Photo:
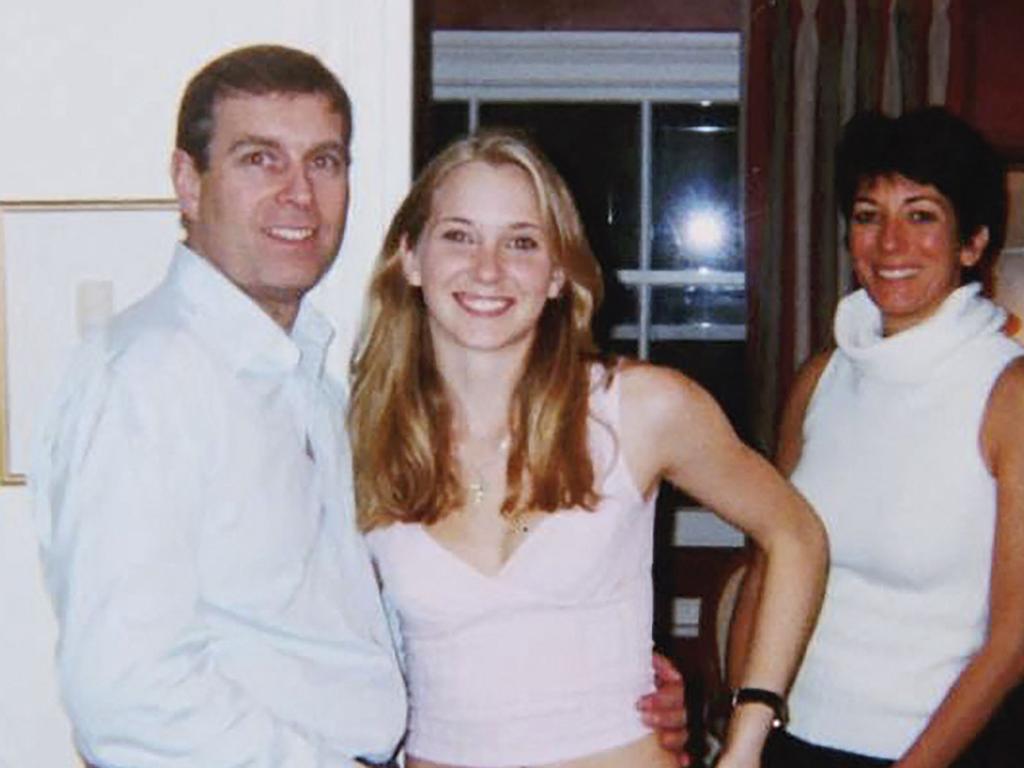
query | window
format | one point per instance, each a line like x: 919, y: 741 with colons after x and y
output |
x: 644, y: 128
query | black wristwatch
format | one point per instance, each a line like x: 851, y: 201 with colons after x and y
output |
x: 770, y: 699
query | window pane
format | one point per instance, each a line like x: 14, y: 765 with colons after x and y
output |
x: 617, y: 327
x: 718, y: 366
x: 700, y: 304
x: 695, y: 189
x: 596, y: 147
x: 444, y: 121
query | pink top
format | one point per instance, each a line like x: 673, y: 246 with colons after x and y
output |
x: 545, y: 660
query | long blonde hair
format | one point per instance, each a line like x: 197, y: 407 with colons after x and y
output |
x: 400, y: 418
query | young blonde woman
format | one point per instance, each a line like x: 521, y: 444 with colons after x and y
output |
x: 506, y: 476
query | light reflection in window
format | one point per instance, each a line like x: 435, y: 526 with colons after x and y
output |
x: 703, y: 230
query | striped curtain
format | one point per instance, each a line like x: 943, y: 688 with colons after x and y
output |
x: 808, y: 66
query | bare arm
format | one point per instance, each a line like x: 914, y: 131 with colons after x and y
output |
x: 787, y: 455
x: 673, y: 429
x: 999, y: 664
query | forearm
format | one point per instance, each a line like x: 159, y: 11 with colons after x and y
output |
x: 741, y: 628
x: 965, y: 710
x: 790, y: 596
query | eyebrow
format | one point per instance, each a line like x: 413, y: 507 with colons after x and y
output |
x: 254, y: 140
x: 863, y: 198
x: 469, y: 222
x: 250, y: 140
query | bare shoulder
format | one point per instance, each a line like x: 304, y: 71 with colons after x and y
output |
x: 1004, y: 414
x: 659, y: 396
x: 808, y: 376
x: 791, y: 425
x: 667, y: 420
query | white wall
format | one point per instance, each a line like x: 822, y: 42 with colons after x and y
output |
x: 89, y: 93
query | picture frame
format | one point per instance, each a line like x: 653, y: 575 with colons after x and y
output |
x: 65, y: 267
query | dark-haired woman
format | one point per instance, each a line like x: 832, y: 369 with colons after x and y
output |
x: 908, y: 439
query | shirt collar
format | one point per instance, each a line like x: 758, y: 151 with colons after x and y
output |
x: 242, y: 331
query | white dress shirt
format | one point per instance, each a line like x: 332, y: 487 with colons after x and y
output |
x: 193, y: 494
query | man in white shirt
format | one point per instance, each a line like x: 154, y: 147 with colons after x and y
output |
x: 193, y: 489
x: 216, y: 607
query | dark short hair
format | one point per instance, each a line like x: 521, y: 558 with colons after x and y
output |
x: 255, y: 70
x: 929, y: 146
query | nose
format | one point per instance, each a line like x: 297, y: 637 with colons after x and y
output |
x: 891, y: 234
x: 296, y: 189
x: 487, y: 262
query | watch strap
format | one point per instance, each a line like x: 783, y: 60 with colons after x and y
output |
x: 770, y: 699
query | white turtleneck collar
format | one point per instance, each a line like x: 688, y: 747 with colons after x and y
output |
x: 913, y: 354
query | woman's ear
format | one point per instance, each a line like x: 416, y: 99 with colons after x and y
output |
x: 557, y: 282
x: 410, y: 262
x: 972, y: 250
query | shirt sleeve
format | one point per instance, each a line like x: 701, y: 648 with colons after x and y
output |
x: 119, y: 498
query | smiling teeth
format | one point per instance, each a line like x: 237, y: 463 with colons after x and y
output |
x: 291, y: 233
x: 896, y: 274
x: 482, y: 304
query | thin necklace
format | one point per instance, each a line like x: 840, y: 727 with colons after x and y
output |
x: 477, y: 487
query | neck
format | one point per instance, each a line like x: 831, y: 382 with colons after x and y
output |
x: 282, y: 314
x: 282, y: 308
x: 480, y: 386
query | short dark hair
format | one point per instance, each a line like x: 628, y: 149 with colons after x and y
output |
x: 254, y: 70
x: 929, y: 146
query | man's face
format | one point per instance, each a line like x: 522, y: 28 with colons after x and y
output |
x: 269, y: 210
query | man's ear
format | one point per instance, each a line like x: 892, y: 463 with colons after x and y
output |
x: 187, y: 183
x: 410, y: 262
x: 971, y: 251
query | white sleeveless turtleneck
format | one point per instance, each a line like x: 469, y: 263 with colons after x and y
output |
x: 891, y: 461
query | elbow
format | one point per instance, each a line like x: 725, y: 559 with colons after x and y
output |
x: 1005, y: 648
x: 815, y: 543
x: 817, y: 540
x: 93, y: 706
x: 802, y: 544
x: 807, y: 535
x: 110, y: 700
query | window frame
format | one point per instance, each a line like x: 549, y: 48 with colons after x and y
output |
x: 643, y: 68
